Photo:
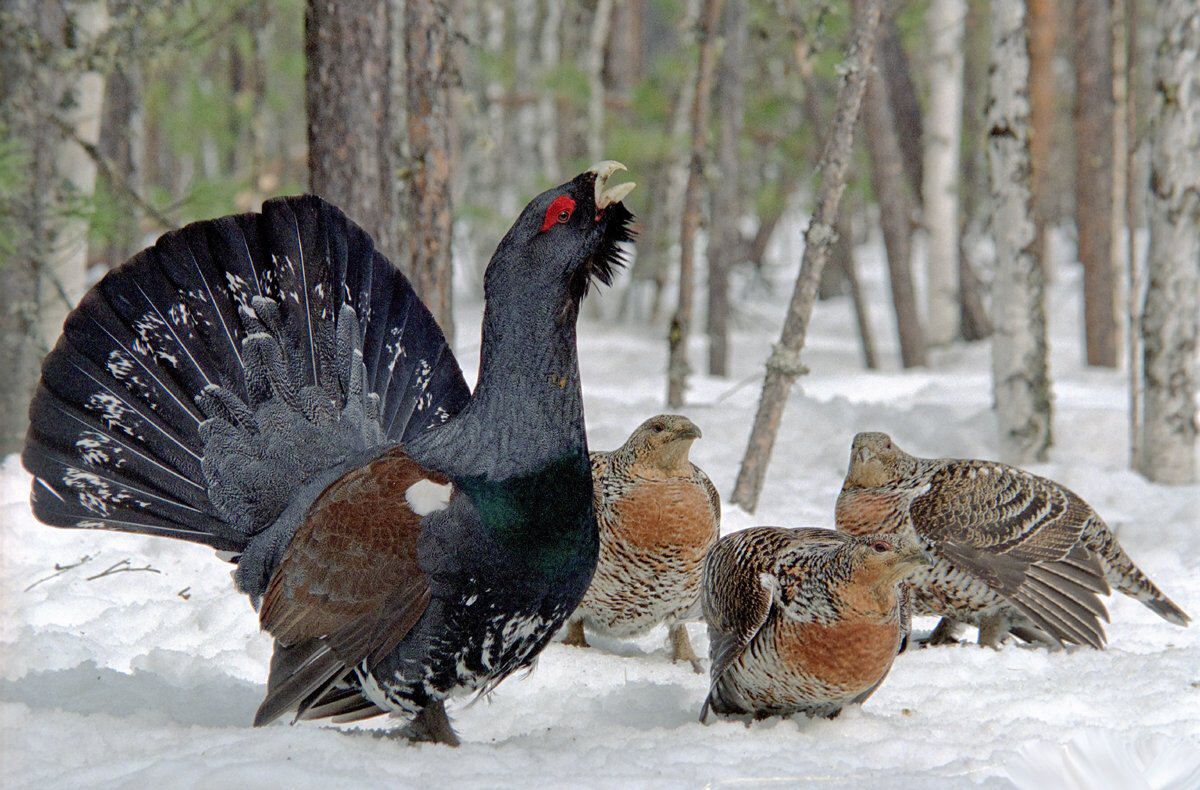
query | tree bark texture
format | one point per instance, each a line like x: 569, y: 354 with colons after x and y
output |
x: 352, y: 150
x: 1133, y: 271
x: 680, y: 330
x: 430, y: 75
x: 945, y: 20
x: 1020, y: 378
x: 1093, y: 117
x: 1172, y: 307
x: 27, y: 116
x: 598, y: 43
x: 895, y: 214
x: 1043, y: 29
x: 784, y: 366
x: 724, y: 248
x: 902, y: 99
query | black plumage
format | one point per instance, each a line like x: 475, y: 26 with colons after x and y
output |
x: 269, y: 385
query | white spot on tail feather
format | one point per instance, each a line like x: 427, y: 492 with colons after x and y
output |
x: 426, y: 496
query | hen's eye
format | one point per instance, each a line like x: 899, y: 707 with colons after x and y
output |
x: 880, y: 546
x: 656, y: 428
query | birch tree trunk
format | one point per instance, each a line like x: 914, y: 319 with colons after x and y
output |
x: 548, y: 55
x: 1172, y: 308
x: 1133, y: 272
x: 1020, y: 378
x: 1093, y: 115
x: 351, y: 145
x: 601, y: 24
x: 723, y: 248
x: 784, y: 366
x: 430, y: 74
x: 895, y: 213
x: 943, y: 132
x: 680, y: 331
x: 81, y: 101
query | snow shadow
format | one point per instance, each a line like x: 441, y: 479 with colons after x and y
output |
x: 208, y: 699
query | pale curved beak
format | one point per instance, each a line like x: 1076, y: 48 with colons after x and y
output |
x: 607, y: 197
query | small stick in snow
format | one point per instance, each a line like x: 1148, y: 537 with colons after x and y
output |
x: 119, y: 567
x: 185, y: 593
x: 60, y: 569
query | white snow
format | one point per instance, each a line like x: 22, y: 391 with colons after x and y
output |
x: 140, y: 679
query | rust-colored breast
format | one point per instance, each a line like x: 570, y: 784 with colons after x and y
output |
x: 866, y: 511
x: 662, y: 514
x: 852, y: 656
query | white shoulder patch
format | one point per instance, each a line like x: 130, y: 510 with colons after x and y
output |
x: 426, y: 496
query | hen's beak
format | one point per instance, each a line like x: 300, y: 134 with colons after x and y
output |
x: 605, y: 198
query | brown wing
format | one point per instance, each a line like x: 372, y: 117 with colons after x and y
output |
x: 1019, y: 534
x: 714, y: 498
x: 348, y: 588
x: 736, y: 604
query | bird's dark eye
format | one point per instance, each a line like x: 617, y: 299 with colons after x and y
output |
x: 656, y: 428
x: 559, y: 210
x: 880, y: 546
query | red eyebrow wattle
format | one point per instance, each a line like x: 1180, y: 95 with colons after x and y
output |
x: 559, y: 204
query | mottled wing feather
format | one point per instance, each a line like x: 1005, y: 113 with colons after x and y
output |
x: 736, y: 604
x: 714, y: 498
x: 350, y: 577
x: 1019, y: 534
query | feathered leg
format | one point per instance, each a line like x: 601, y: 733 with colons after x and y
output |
x: 681, y: 648
x: 946, y: 633
x: 575, y: 636
x: 431, y: 726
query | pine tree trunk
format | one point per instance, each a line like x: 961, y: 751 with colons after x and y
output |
x: 1042, y: 33
x: 1020, y: 378
x: 723, y: 249
x: 1172, y: 307
x: 784, y: 366
x: 903, y: 104
x: 352, y: 152
x: 895, y: 214
x: 1133, y: 281
x: 680, y: 331
x: 548, y: 55
x: 1093, y: 178
x: 25, y: 85
x: 430, y: 75
x: 945, y: 20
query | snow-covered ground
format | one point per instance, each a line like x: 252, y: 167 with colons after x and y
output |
x: 150, y: 679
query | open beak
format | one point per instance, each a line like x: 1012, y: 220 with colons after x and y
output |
x: 607, y: 197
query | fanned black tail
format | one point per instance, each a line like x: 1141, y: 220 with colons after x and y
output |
x: 200, y: 385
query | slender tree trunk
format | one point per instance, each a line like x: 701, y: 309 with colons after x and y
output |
x: 601, y: 24
x: 1133, y: 284
x: 26, y: 110
x: 1020, y: 378
x: 895, y: 214
x: 945, y: 20
x: 1043, y: 24
x: 1171, y: 314
x: 680, y: 331
x: 784, y: 366
x: 862, y: 316
x: 548, y: 55
x: 80, y: 108
x: 430, y: 74
x: 723, y: 249
x: 351, y: 123
x: 1093, y: 178
x: 902, y: 100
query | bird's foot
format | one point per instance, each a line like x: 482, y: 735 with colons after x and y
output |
x: 575, y: 636
x: 993, y: 630
x: 946, y: 633
x: 681, y: 648
x: 430, y: 726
